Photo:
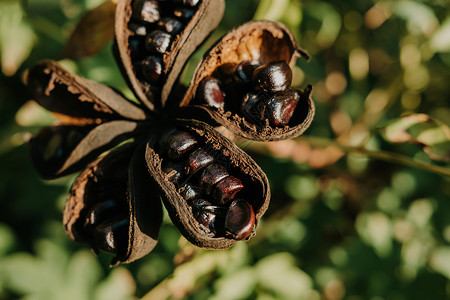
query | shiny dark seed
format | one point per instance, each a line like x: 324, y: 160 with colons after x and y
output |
x: 273, y: 77
x: 226, y: 189
x: 146, y: 10
x: 138, y: 29
x: 101, y: 212
x: 212, y: 175
x: 184, y: 13
x: 158, y: 41
x: 210, y: 92
x: 152, y: 68
x: 206, y: 218
x: 173, y: 171
x: 253, y: 106
x: 198, y: 204
x: 197, y: 160
x: 179, y: 143
x: 190, y: 192
x: 239, y: 220
x: 281, y: 107
x: 244, y: 71
x: 112, y: 235
x: 137, y: 47
x: 170, y: 25
x: 190, y: 3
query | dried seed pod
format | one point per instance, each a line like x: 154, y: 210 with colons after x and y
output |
x: 236, y: 163
x: 200, y: 19
x: 131, y: 229
x: 265, y: 42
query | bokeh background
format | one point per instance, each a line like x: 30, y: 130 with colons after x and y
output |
x: 360, y: 206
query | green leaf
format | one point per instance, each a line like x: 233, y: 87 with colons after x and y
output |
x: 440, y: 41
x: 16, y: 37
x: 432, y: 135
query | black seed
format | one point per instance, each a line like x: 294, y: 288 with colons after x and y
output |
x: 157, y: 42
x: 239, y: 220
x: 184, y: 13
x: 179, y: 143
x: 210, y: 92
x: 281, y: 107
x: 212, y: 175
x: 146, y: 10
x: 152, y: 68
x: 226, y: 189
x: 253, y: 107
x: 173, y: 171
x: 190, y: 192
x: 244, y: 71
x: 101, y: 212
x: 112, y: 236
x: 138, y: 29
x: 273, y: 77
x: 197, y: 160
x: 170, y: 25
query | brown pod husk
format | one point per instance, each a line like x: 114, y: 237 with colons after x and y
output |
x: 121, y: 175
x: 239, y: 164
x: 62, y: 92
x: 263, y: 41
x: 206, y: 18
x: 63, y: 149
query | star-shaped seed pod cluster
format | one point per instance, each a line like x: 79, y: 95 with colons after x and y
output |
x: 131, y: 155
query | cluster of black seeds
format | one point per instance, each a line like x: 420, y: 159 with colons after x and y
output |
x: 155, y: 24
x: 262, y: 92
x: 107, y: 221
x: 203, y: 180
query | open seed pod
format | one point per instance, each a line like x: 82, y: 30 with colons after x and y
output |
x: 110, y: 206
x: 214, y: 192
x: 155, y: 38
x: 93, y: 119
x: 243, y: 83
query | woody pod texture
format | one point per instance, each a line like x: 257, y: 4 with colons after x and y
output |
x: 130, y: 155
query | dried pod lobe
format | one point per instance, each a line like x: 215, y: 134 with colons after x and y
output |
x: 174, y: 30
x: 250, y: 65
x: 199, y: 201
x: 110, y: 207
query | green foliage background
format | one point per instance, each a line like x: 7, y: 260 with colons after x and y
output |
x: 353, y: 215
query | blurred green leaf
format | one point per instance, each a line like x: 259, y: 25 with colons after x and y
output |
x: 440, y: 41
x: 431, y: 134
x: 16, y: 37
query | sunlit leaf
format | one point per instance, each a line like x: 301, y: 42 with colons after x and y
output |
x: 431, y: 134
x: 16, y: 37
x: 94, y: 30
x: 440, y: 41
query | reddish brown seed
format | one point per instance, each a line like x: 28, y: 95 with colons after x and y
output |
x: 152, y: 68
x: 273, y: 77
x: 239, y: 220
x: 206, y: 218
x: 210, y: 92
x: 226, y: 189
x: 244, y: 71
x: 101, y: 212
x: 170, y: 25
x: 212, y: 175
x: 112, y: 235
x: 146, y: 10
x: 197, y: 160
x: 179, y: 143
x: 158, y: 42
x: 281, y: 107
